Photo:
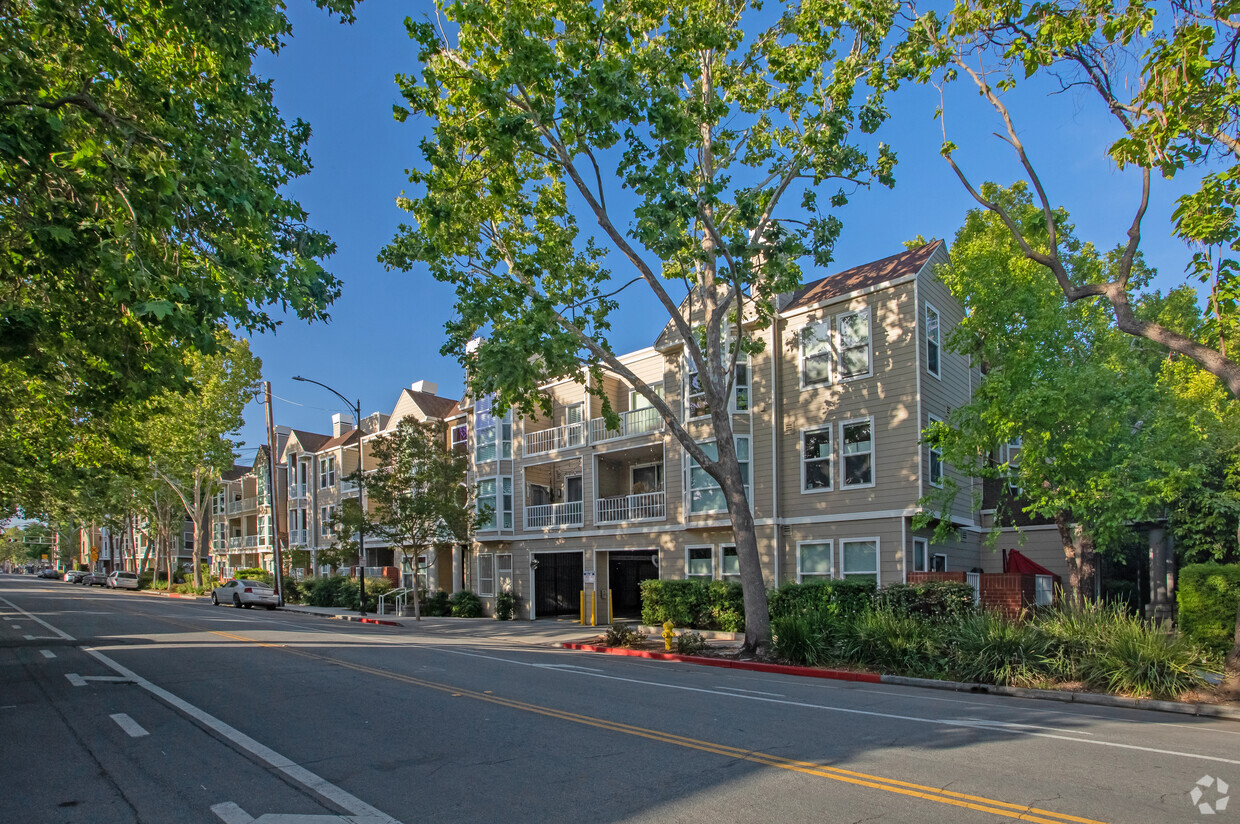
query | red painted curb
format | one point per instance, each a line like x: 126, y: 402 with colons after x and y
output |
x: 754, y: 666
x: 365, y: 620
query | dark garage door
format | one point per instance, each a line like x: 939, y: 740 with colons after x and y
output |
x: 625, y: 573
x: 557, y: 584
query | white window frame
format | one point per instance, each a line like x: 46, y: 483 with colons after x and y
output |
x: 935, y: 340
x: 503, y: 565
x: 935, y: 566
x: 843, y: 456
x: 463, y: 429
x: 828, y: 356
x: 878, y: 558
x: 505, y: 502
x: 480, y: 498
x: 485, y: 591
x: 723, y: 562
x: 710, y: 554
x: 1015, y: 445
x: 690, y: 371
x: 934, y: 455
x: 690, y: 463
x: 659, y: 475
x: 925, y: 555
x: 839, y: 345
x: 830, y: 459
x: 325, y: 515
x: 486, y: 428
x: 327, y: 472
x: 638, y: 401
x: 742, y: 366
x: 801, y: 574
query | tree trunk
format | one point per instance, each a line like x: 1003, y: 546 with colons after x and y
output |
x: 199, y: 533
x: 1078, y: 551
x: 753, y: 587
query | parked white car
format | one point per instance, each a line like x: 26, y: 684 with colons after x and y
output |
x: 242, y: 593
x: 123, y: 580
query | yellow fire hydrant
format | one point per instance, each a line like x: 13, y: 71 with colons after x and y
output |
x: 668, y: 635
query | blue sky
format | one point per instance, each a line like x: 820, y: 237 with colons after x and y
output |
x: 387, y: 327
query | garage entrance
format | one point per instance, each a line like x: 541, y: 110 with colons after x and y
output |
x: 625, y: 573
x: 557, y: 584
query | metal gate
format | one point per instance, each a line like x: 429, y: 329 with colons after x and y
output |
x: 557, y: 583
x: 625, y: 573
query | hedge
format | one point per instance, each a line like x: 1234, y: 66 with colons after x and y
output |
x: 1207, y: 595
x: 695, y: 604
x: 836, y: 597
x: 936, y: 600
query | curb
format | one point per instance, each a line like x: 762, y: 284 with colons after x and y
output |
x: 356, y: 618
x: 169, y: 594
x: 1090, y: 698
x: 726, y: 663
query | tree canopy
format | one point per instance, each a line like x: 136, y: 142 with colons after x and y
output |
x: 142, y: 166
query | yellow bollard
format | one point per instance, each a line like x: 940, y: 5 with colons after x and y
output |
x: 583, y: 607
x: 668, y: 635
x: 593, y: 608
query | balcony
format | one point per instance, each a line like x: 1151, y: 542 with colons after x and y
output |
x: 348, y: 488
x: 251, y: 542
x: 244, y: 505
x: 298, y: 491
x: 550, y: 440
x: 298, y: 537
x: 633, y: 423
x: 648, y: 506
x: 235, y: 543
x: 553, y: 515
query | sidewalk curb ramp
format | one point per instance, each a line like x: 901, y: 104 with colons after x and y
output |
x: 1064, y: 696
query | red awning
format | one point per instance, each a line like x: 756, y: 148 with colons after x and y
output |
x: 1017, y: 561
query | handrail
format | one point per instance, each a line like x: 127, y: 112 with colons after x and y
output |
x: 392, y: 592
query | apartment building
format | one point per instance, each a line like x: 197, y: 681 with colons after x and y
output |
x: 827, y: 421
x: 242, y: 534
x: 317, y: 466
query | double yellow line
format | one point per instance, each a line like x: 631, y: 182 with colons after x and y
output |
x: 1018, y: 812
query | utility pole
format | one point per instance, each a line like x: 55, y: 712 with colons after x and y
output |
x: 275, y: 494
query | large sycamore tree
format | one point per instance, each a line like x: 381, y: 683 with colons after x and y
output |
x: 142, y: 206
x: 1165, y: 72
x: 694, y: 150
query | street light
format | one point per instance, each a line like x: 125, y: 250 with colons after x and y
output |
x: 361, y: 489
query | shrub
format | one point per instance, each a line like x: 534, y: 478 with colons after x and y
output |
x: 892, y: 643
x: 695, y: 604
x: 798, y: 639
x: 255, y: 574
x: 937, y: 600
x: 832, y: 598
x: 325, y: 592
x: 622, y: 635
x: 292, y: 590
x: 465, y: 604
x: 506, y: 606
x: 1143, y: 661
x: 1207, y: 597
x: 437, y: 604
x: 374, y: 588
x: 991, y: 649
x: 690, y: 643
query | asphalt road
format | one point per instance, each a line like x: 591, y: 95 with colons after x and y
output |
x: 118, y: 707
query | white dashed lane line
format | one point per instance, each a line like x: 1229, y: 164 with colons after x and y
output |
x: 47, y: 653
x: 128, y: 725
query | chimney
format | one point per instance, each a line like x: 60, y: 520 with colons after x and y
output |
x: 428, y: 387
x: 341, y: 424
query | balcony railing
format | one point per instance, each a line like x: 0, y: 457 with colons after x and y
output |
x: 297, y: 537
x: 558, y: 437
x: 633, y: 423
x: 251, y: 541
x: 296, y: 491
x: 549, y: 515
x: 647, y: 506
x: 348, y: 488
x: 235, y: 543
x: 244, y: 505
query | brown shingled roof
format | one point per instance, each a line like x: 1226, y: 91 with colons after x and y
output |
x: 862, y: 277
x: 340, y: 440
x: 432, y: 405
x: 236, y: 473
x: 311, y: 441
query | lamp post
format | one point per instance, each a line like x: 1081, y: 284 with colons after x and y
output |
x: 361, y: 490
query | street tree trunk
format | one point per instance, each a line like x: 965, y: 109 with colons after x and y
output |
x: 1078, y: 550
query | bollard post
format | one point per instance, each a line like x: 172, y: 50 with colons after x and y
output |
x: 583, y: 607
x: 611, y: 618
x: 593, y: 607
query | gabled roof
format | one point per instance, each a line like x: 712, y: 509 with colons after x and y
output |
x: 433, y: 405
x: 862, y: 277
x: 310, y: 441
x: 236, y: 473
x: 340, y: 440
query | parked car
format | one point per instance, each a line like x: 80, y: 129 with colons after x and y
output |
x: 95, y: 579
x: 123, y: 580
x: 243, y: 593
x: 50, y: 573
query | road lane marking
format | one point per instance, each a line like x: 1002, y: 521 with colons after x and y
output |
x: 75, y: 679
x: 230, y: 813
x: 751, y: 692
x: 47, y: 653
x: 128, y: 725
x: 338, y: 796
x: 15, y: 626
x: 63, y: 635
x: 81, y: 680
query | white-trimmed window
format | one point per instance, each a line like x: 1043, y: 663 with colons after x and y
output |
x: 854, y: 330
x: 859, y: 558
x: 700, y: 562
x: 705, y: 494
x: 493, y: 436
x: 638, y: 401
x: 935, y: 463
x: 695, y: 394
x: 1011, y: 452
x: 815, y: 560
x: 740, y: 387
x: 816, y: 353
x: 857, y: 448
x: 921, y: 555
x: 325, y: 516
x: 933, y: 341
x: 497, y: 493
x: 729, y: 563
x: 938, y: 562
x: 503, y: 572
x: 817, y: 454
x: 460, y: 434
x: 486, y: 574
x: 327, y: 471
